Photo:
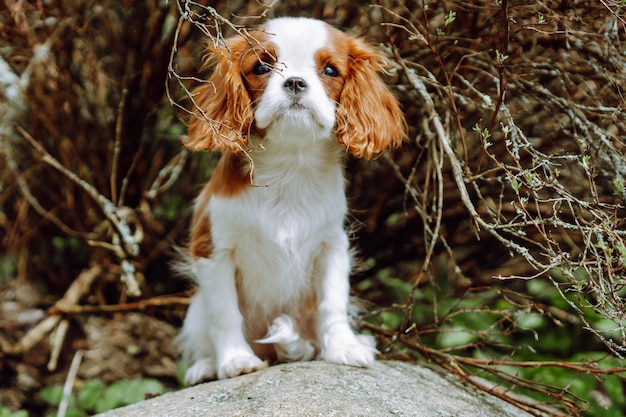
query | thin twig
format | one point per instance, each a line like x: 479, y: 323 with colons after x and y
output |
x: 69, y: 383
x: 130, y: 243
x: 117, y: 147
x: 141, y: 305
x: 79, y: 287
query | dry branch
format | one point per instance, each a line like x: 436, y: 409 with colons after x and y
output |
x: 516, y: 173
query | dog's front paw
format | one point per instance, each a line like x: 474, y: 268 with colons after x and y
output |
x: 201, y: 370
x: 240, y: 364
x: 353, y: 350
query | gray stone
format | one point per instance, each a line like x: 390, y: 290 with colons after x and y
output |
x: 321, y: 389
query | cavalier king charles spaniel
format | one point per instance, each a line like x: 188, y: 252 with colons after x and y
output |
x: 268, y: 249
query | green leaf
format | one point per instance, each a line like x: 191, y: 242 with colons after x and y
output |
x: 179, y: 372
x: 618, y: 185
x: 89, y: 394
x: 531, y: 321
x: 112, y: 397
x: 451, y: 17
x: 392, y: 319
x: 456, y: 337
x: 75, y: 412
x: 52, y: 395
x: 138, y: 388
x: 126, y: 392
x: 582, y: 384
x: 5, y: 412
x: 500, y: 57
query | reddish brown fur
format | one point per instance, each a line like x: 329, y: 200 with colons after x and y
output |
x: 223, y: 114
x: 201, y: 242
x: 231, y: 176
x: 222, y: 120
x: 366, y: 125
x: 334, y: 56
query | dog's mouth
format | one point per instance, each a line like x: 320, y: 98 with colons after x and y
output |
x: 299, y: 109
x: 297, y: 105
x: 296, y: 113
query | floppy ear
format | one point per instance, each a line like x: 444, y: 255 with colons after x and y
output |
x: 369, y: 119
x: 222, y: 111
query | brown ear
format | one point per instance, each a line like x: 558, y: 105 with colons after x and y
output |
x: 369, y: 120
x: 222, y: 111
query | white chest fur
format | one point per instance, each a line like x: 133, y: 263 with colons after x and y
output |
x: 276, y: 229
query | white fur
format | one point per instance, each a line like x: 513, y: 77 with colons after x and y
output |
x: 290, y: 345
x: 282, y: 241
x: 296, y: 40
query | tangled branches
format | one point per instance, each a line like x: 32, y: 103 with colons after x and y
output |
x: 493, y: 239
x: 77, y: 124
x: 543, y: 169
x: 523, y: 121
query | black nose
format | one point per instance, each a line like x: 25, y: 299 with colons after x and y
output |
x: 295, y: 85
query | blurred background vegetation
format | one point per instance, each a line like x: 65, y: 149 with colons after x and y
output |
x: 491, y: 244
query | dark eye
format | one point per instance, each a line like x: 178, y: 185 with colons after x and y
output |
x: 261, y: 68
x: 330, y: 71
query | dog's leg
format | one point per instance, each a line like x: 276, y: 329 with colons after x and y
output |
x: 220, y: 321
x: 338, y: 341
x: 196, y: 345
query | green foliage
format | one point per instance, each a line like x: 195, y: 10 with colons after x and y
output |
x: 449, y: 18
x: 65, y: 249
x: 169, y: 209
x: 5, y: 412
x: 8, y: 268
x: 500, y: 57
x: 179, y: 372
x: 168, y: 124
x: 604, y: 395
x: 492, y: 322
x: 93, y: 397
x: 619, y: 186
x: 53, y: 395
x: 89, y: 394
x: 128, y: 392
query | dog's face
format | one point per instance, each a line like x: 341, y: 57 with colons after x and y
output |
x: 292, y: 79
x: 295, y: 84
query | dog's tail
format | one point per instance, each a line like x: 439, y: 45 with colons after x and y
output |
x: 289, y: 344
x: 183, y: 266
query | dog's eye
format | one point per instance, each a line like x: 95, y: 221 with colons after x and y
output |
x: 261, y: 68
x: 330, y: 71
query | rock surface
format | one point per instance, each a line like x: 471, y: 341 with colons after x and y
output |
x: 320, y: 389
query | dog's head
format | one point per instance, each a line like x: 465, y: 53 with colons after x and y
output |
x: 292, y: 80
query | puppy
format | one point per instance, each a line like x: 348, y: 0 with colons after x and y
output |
x: 268, y: 249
